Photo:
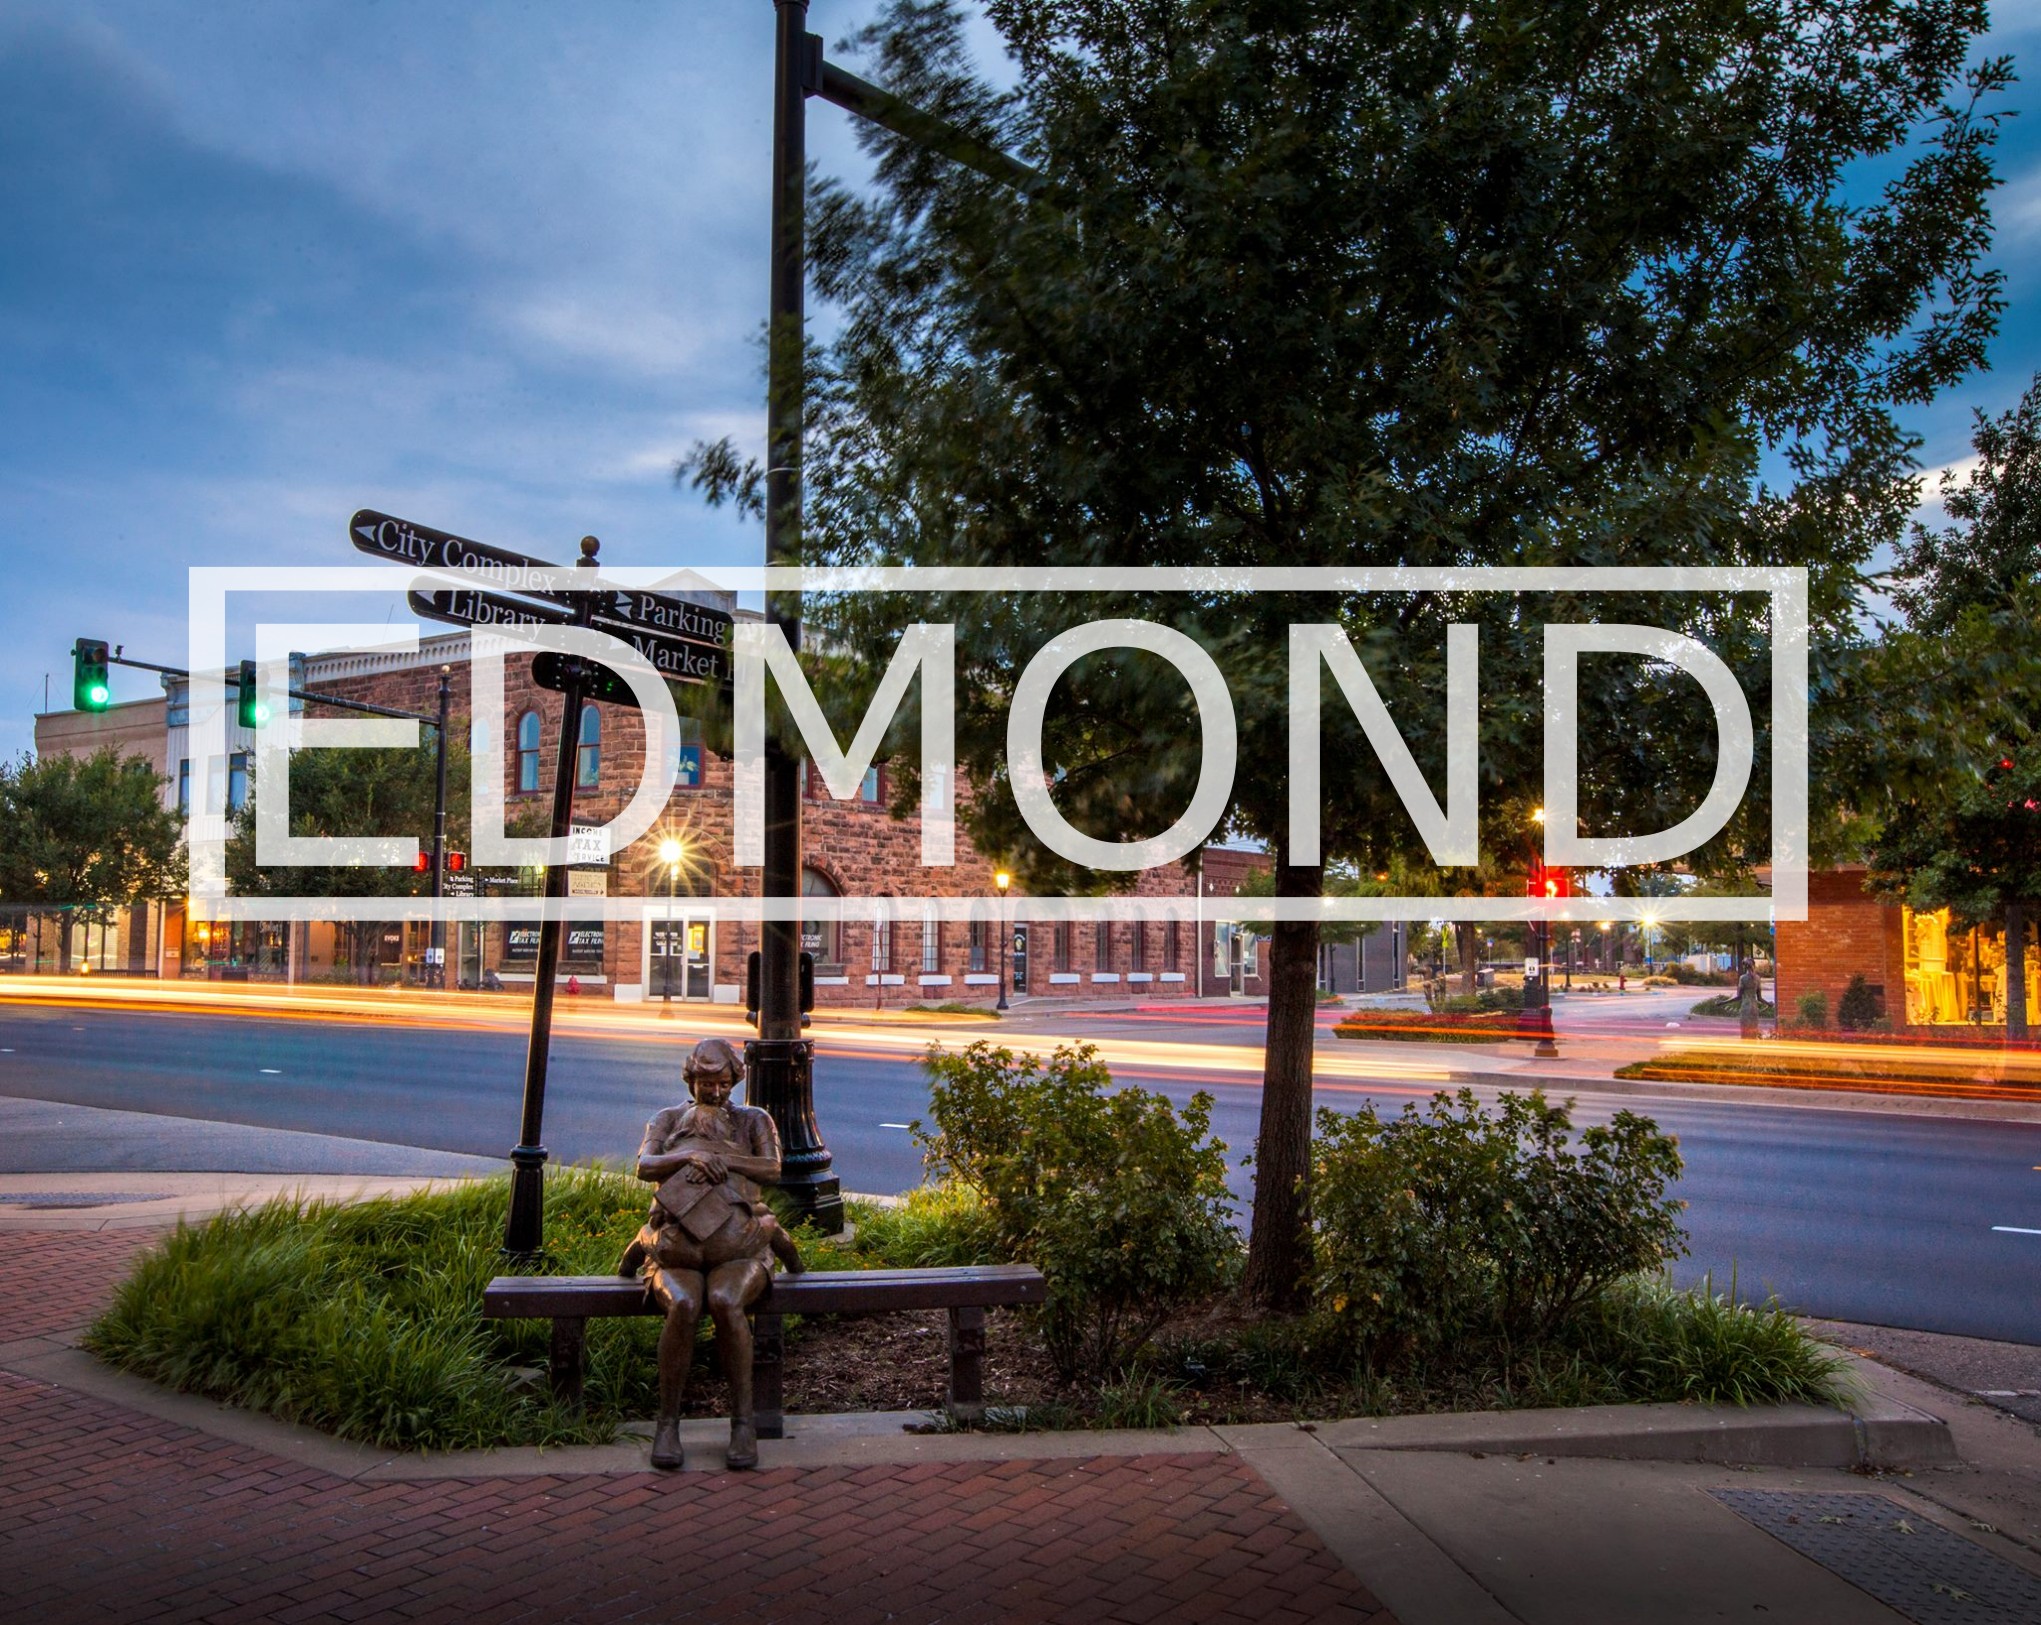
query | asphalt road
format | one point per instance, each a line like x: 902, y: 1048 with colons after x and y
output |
x: 1885, y: 1219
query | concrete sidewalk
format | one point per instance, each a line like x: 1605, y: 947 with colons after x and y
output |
x: 119, y: 1499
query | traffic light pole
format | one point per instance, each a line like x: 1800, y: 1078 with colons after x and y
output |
x: 780, y: 1063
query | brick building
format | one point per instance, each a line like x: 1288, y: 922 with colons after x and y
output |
x: 1926, y: 972
x: 676, y: 942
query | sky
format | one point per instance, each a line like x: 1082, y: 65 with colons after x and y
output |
x: 492, y: 267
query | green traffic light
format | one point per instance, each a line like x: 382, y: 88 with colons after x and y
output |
x: 100, y: 693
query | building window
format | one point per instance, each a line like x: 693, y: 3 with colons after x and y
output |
x: 237, y: 781
x: 184, y: 785
x: 1062, y: 947
x: 588, y: 758
x: 1250, y: 954
x: 528, y: 752
x: 1102, y: 945
x: 1172, y: 945
x: 822, y: 940
x: 1139, y: 957
x: 1222, y: 950
x: 981, y: 945
x: 687, y: 755
x: 931, y: 942
x: 868, y: 786
x: 882, y: 938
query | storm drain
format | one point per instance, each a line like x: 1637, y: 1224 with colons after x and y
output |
x: 1914, y: 1567
x: 41, y: 1199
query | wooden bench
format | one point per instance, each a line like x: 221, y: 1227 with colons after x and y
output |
x: 965, y: 1291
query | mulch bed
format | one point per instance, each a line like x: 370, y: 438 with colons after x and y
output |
x: 899, y: 1361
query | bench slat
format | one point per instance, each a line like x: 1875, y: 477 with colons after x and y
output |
x: 529, y: 1297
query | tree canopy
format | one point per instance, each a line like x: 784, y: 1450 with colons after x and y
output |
x: 87, y: 833
x: 1315, y: 282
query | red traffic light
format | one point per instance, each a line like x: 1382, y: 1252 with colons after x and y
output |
x: 1544, y: 882
x: 420, y: 864
x: 456, y: 862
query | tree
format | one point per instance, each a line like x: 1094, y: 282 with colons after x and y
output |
x: 355, y: 792
x: 1943, y: 741
x: 1344, y: 282
x: 1991, y: 556
x: 86, y: 835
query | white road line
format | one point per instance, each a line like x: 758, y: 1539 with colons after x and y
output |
x: 273, y: 1071
x: 2014, y: 1230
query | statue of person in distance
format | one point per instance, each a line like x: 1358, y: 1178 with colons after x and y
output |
x: 710, y: 1239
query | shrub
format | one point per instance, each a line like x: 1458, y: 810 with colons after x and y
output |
x: 1434, y: 1228
x: 1729, y: 1004
x: 1120, y: 1200
x: 1427, y: 1026
x: 1688, y: 976
x: 1813, y: 1008
x: 1858, y: 1009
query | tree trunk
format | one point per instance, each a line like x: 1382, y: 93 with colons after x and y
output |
x: 1278, y: 1246
x: 2016, y: 972
x: 1468, y: 940
x: 63, y: 942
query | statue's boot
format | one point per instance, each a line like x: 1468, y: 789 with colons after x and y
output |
x: 743, y: 1451
x: 666, y: 1451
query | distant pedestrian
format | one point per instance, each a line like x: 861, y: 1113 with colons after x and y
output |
x: 1750, y: 996
x: 1622, y: 979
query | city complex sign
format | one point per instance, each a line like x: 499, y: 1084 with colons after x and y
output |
x: 643, y: 638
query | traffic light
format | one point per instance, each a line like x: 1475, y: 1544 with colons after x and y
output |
x: 456, y: 862
x: 90, y: 689
x: 422, y: 864
x: 1544, y: 882
x: 248, y: 707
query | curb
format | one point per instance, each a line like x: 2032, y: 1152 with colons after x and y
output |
x: 1877, y: 1431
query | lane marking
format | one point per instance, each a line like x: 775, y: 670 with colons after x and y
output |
x: 2014, y: 1230
x: 273, y: 1071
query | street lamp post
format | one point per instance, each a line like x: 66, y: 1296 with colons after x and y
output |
x: 1535, y: 1022
x: 1003, y: 880
x: 670, y: 853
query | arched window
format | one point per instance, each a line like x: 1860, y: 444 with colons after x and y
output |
x: 823, y: 939
x: 528, y: 751
x: 588, y: 761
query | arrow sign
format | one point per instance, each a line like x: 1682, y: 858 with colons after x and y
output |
x: 465, y: 606
x: 388, y: 537
x: 675, y: 660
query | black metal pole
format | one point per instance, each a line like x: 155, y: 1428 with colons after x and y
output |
x: 525, y: 1228
x: 437, y: 975
x: 780, y: 1062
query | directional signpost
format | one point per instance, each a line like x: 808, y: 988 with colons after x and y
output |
x: 685, y: 643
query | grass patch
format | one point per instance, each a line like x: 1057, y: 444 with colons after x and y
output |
x: 953, y: 1007
x: 1428, y: 1027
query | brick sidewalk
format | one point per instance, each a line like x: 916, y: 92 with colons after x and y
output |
x: 110, y: 1514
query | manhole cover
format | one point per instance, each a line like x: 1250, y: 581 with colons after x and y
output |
x: 43, y: 1199
x: 1914, y: 1567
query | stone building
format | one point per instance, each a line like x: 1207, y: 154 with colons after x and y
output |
x: 677, y: 943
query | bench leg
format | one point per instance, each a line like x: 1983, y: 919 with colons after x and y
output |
x: 768, y: 1356
x: 566, y: 1367
x: 966, y: 1399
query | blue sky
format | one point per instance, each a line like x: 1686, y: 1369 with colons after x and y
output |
x: 491, y: 267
